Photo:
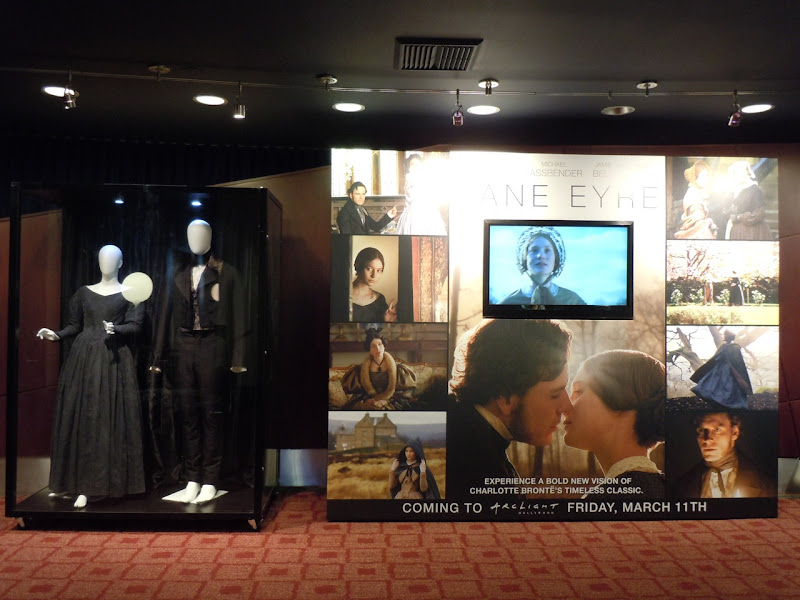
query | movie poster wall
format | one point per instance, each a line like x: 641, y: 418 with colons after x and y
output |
x: 552, y: 337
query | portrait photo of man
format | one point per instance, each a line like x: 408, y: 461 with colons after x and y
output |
x: 723, y: 469
x: 353, y: 218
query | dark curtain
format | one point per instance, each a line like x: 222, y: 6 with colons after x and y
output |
x: 55, y: 160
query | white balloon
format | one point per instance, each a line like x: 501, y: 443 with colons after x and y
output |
x: 137, y: 287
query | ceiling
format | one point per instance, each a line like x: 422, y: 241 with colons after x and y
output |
x: 556, y: 62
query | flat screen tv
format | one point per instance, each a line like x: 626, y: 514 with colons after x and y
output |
x: 558, y: 269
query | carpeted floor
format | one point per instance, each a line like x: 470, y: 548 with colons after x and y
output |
x: 299, y: 555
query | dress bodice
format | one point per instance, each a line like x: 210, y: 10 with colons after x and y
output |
x: 379, y: 380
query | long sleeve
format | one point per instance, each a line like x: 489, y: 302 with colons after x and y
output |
x: 134, y: 317
x: 74, y: 318
x: 379, y: 224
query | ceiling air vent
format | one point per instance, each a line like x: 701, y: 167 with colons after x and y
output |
x: 435, y: 54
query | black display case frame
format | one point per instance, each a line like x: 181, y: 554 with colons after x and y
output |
x: 253, y: 219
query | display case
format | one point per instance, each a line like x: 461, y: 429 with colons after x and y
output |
x: 142, y: 333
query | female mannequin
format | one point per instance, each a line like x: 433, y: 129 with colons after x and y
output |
x: 96, y: 446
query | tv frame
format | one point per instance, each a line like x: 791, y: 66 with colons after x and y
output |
x: 619, y: 312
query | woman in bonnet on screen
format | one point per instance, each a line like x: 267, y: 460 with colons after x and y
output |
x: 540, y: 258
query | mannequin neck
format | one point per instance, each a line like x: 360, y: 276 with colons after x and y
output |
x: 200, y: 260
x: 108, y: 284
x: 109, y: 279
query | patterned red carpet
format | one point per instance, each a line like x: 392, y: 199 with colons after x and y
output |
x: 298, y: 555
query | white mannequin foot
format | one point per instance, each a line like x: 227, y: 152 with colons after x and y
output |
x: 190, y: 492
x: 207, y: 492
x: 80, y: 501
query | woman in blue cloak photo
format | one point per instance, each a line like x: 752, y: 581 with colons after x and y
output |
x: 723, y: 378
x: 410, y: 478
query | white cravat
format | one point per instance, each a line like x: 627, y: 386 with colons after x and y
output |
x: 197, y: 273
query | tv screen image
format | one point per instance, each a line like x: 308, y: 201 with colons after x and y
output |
x: 562, y: 269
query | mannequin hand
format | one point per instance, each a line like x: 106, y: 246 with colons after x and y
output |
x: 390, y: 316
x: 422, y: 466
x: 47, y: 334
x: 109, y: 328
x: 395, y: 464
x: 392, y: 212
x: 237, y: 370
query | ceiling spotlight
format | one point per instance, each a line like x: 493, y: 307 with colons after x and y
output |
x: 488, y: 84
x: 458, y: 115
x: 616, y: 110
x: 158, y: 70
x: 647, y: 85
x: 327, y: 79
x: 69, y: 94
x: 119, y: 200
x: 196, y: 203
x: 483, y: 109
x: 349, y: 107
x: 209, y: 100
x: 239, y: 109
x: 57, y: 91
x: 752, y: 109
x: 735, y: 118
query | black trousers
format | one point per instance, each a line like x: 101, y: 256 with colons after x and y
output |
x: 199, y: 384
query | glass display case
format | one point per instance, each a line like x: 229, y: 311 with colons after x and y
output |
x: 142, y: 328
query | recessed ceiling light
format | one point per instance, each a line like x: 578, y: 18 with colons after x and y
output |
x: 210, y: 100
x: 483, y: 109
x: 757, y: 108
x: 56, y: 90
x: 349, y: 107
x: 616, y: 111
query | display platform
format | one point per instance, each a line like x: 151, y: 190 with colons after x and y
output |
x: 41, y: 510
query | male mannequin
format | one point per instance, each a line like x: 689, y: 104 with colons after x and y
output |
x: 202, y: 316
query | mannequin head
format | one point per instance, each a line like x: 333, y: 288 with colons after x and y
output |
x: 110, y: 260
x: 198, y: 233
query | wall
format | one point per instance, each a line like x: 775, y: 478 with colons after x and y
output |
x: 306, y: 249
x: 789, y: 407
